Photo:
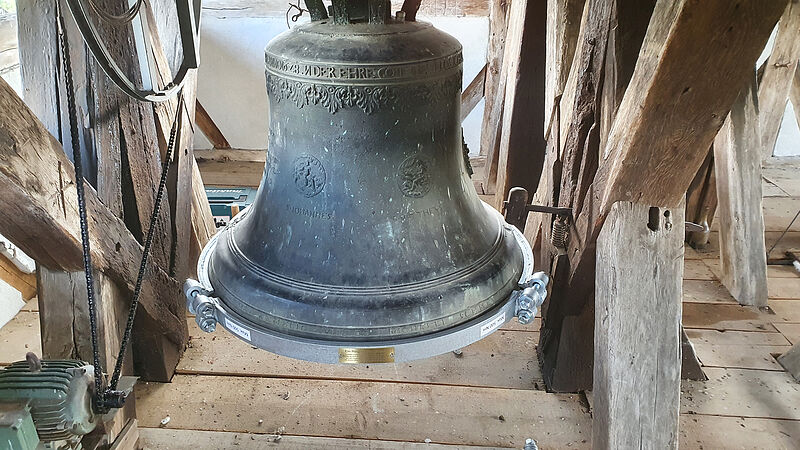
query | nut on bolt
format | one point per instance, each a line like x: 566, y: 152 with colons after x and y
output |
x: 531, y: 297
x: 200, y: 303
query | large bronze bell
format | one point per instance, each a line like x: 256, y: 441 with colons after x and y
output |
x: 366, y: 241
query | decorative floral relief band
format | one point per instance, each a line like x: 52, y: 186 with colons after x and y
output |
x: 367, y: 98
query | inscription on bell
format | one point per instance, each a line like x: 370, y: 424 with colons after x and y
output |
x: 309, y: 175
x: 414, y: 177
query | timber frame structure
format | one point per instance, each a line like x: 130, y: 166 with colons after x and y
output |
x: 609, y: 108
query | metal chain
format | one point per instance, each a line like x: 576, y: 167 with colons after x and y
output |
x: 78, y: 162
x: 101, y: 395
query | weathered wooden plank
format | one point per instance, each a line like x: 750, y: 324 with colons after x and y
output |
x: 494, y: 91
x: 741, y: 221
x: 387, y: 411
x: 696, y: 269
x: 637, y: 381
x: 726, y: 317
x: 690, y: 365
x: 743, y: 393
x: 567, y: 368
x: 20, y: 336
x: 563, y: 25
x: 790, y: 360
x: 231, y: 167
x: 776, y: 83
x: 473, y: 94
x: 628, y: 27
x: 166, y: 439
x: 701, y: 431
x: 25, y: 283
x: 701, y: 202
x: 784, y: 288
x: 744, y: 356
x: 705, y: 291
x: 38, y: 188
x: 512, y: 355
x: 128, y: 438
x: 786, y: 311
x: 728, y: 337
x: 210, y: 129
x: 202, y: 222
x: 791, y: 331
x: 521, y: 149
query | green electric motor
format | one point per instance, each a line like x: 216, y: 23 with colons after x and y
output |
x: 58, y: 394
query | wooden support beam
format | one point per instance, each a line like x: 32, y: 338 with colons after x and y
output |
x: 494, y: 92
x: 742, y: 249
x: 39, y: 199
x: 637, y: 380
x: 701, y: 201
x: 791, y: 361
x: 473, y: 94
x: 209, y: 127
x: 25, y: 283
x: 231, y: 167
x: 775, y: 85
x: 522, y: 147
x: 563, y: 26
x: 690, y: 364
x: 193, y: 215
x: 794, y: 95
x: 661, y: 133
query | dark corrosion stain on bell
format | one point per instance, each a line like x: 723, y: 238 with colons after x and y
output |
x: 366, y: 226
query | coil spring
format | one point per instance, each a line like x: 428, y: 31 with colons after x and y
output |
x: 560, y: 232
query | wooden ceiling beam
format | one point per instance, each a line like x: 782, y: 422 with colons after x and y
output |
x: 39, y: 200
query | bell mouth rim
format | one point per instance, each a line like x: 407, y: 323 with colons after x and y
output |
x: 331, y: 351
x: 402, y: 349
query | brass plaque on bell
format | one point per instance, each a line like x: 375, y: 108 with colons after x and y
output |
x: 349, y: 355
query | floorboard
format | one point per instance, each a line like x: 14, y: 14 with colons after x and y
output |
x: 740, y: 356
x: 368, y: 410
x: 791, y: 331
x: 743, y: 393
x: 166, y: 439
x: 726, y: 317
x: 706, y: 291
x: 20, y: 336
x: 714, y: 432
x: 717, y: 337
x: 504, y: 359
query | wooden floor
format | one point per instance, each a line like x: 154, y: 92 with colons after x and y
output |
x: 230, y: 395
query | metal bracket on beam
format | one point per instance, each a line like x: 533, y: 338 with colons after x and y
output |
x: 516, y: 210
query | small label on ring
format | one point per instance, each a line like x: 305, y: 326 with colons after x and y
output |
x: 237, y: 329
x: 493, y: 324
x: 353, y: 355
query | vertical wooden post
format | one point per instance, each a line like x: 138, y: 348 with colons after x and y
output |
x: 494, y: 91
x: 777, y: 80
x: 701, y: 202
x: 562, y: 27
x: 741, y: 220
x: 522, y: 147
x: 637, y: 359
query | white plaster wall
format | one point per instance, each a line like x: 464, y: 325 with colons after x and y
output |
x: 231, y: 87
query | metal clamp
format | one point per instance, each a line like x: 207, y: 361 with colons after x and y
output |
x: 531, y: 297
x: 200, y: 302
